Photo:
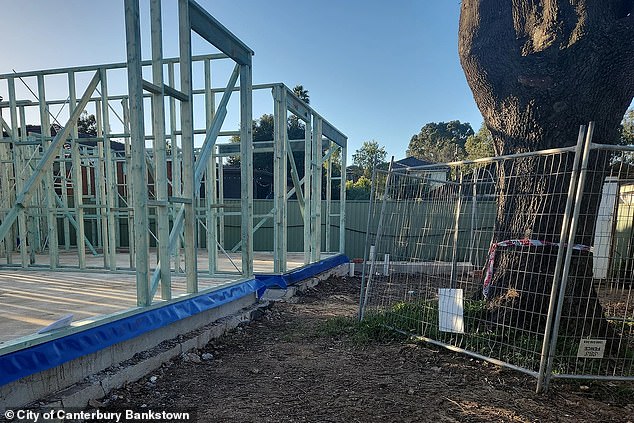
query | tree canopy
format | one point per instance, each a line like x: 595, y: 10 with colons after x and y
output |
x: 263, y: 130
x: 440, y: 142
x: 627, y: 128
x: 480, y: 145
x: 369, y: 155
x: 87, y: 124
x: 296, y: 127
x: 359, y: 190
x: 301, y: 93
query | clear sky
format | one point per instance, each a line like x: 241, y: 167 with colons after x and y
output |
x: 375, y: 69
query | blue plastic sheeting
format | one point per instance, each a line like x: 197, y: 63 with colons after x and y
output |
x: 283, y: 281
x: 19, y: 364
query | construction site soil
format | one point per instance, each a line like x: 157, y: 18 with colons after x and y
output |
x: 303, y: 362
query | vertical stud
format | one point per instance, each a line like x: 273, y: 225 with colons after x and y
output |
x: 308, y: 206
x: 110, y: 176
x: 211, y: 212
x: 280, y: 178
x: 76, y: 178
x: 160, y: 154
x: 187, y: 145
x: 342, y: 201
x: 317, y: 164
x: 328, y: 207
x: 246, y: 169
x: 138, y: 170
x: 49, y: 181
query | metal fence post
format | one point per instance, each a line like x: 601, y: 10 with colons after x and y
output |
x: 367, y: 242
x: 569, y: 249
x: 454, y: 255
x: 541, y: 385
x: 377, y: 238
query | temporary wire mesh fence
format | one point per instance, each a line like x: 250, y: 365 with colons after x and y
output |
x: 595, y: 324
x: 466, y: 255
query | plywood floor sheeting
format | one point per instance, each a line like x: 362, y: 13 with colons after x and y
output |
x: 33, y: 298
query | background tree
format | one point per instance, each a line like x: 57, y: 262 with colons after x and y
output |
x: 627, y: 128
x: 354, y: 172
x: 263, y: 131
x: 440, y: 142
x: 87, y: 124
x: 296, y: 127
x: 234, y: 160
x: 301, y: 93
x: 335, y: 160
x: 369, y: 155
x: 538, y: 70
x: 359, y: 189
x: 480, y: 145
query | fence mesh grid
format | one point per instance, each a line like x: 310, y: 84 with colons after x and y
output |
x: 465, y: 255
x: 596, y: 323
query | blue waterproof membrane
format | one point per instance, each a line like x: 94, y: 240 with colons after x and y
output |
x: 308, y: 271
x: 47, y: 355
x: 19, y: 364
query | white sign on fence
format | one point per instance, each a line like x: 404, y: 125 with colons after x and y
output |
x: 450, y: 310
x: 591, y: 348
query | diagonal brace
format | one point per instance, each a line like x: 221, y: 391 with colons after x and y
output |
x: 47, y: 159
x: 73, y: 222
x: 294, y: 176
x: 199, y: 171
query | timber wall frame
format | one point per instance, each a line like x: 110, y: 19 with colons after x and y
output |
x: 95, y: 194
x: 321, y: 141
x: 191, y: 17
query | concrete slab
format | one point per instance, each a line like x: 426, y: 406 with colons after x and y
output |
x: 91, y: 377
x: 127, y: 361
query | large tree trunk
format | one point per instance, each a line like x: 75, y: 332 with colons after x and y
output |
x: 538, y: 70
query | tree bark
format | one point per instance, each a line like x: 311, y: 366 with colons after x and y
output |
x: 538, y: 70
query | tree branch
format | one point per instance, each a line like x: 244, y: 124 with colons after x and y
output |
x: 484, y: 24
x: 487, y: 45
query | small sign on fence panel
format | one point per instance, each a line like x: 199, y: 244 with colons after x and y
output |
x: 591, y: 348
x: 450, y: 310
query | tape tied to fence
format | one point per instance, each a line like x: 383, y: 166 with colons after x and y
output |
x: 490, y: 265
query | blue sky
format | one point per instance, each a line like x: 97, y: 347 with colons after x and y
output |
x: 375, y: 69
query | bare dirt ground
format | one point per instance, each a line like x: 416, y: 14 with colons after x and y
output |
x: 296, y: 365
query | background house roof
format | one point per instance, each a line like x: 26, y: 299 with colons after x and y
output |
x: 409, y: 162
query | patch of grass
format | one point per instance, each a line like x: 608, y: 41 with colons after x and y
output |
x: 515, y: 346
x: 338, y: 326
x: 372, y: 329
x: 421, y: 320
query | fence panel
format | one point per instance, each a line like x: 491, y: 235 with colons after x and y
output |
x: 450, y: 278
x: 595, y: 321
x: 526, y: 261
